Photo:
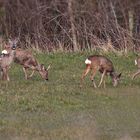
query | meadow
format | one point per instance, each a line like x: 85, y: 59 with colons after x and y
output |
x: 59, y: 109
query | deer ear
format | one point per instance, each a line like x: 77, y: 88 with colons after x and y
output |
x: 16, y: 40
x: 48, y: 67
x: 119, y: 75
x: 42, y: 67
x: 9, y: 41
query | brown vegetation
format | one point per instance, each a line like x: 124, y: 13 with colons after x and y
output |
x: 72, y: 25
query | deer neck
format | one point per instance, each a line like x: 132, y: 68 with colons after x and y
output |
x: 12, y: 54
x: 112, y: 74
x: 38, y: 67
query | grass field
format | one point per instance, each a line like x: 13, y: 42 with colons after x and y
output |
x: 59, y: 110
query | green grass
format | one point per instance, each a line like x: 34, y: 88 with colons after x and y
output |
x: 60, y: 110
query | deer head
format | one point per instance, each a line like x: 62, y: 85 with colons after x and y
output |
x: 115, y: 79
x: 12, y: 43
x: 43, y: 71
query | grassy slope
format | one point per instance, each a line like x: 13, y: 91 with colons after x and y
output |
x: 60, y: 110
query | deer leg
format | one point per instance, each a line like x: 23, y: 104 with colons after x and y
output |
x: 4, y: 74
x: 25, y: 73
x: 31, y: 75
x: 136, y: 74
x: 104, y: 84
x: 86, y: 71
x: 1, y: 74
x: 27, y: 65
x: 102, y: 78
x: 7, y: 75
x: 92, y: 77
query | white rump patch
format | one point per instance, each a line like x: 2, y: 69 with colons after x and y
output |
x: 87, y: 61
x: 4, y: 52
x: 136, y: 62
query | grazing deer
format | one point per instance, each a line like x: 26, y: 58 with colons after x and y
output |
x: 104, y: 66
x: 6, y: 59
x: 137, y: 62
x: 27, y: 60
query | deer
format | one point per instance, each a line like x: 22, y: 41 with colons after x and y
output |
x: 6, y: 60
x: 137, y: 62
x: 26, y: 59
x: 104, y: 66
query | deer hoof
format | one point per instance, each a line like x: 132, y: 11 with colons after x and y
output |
x: 94, y: 85
x: 132, y: 77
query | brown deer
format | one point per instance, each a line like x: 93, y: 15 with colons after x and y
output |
x: 6, y: 59
x: 104, y: 66
x: 27, y: 60
x: 137, y: 62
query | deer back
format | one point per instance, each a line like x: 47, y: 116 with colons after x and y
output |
x: 22, y: 56
x: 102, y: 63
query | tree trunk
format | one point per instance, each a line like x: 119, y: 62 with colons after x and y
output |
x: 74, y: 40
x: 131, y: 21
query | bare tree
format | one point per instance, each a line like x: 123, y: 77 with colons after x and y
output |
x: 70, y: 10
x: 72, y: 25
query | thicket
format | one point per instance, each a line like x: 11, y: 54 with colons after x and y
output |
x: 72, y: 25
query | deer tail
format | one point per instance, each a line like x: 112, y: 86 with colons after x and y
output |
x: 87, y: 61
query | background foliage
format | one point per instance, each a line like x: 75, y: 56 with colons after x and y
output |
x: 72, y: 24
